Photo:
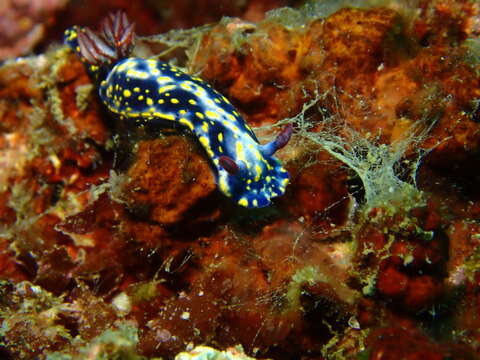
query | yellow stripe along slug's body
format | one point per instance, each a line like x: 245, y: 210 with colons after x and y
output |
x: 150, y: 91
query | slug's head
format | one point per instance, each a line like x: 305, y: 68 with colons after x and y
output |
x: 255, y: 176
x: 104, y: 48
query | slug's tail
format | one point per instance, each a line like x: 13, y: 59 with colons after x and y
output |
x: 272, y: 185
x: 257, y: 186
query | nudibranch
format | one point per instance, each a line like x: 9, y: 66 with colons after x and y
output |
x: 148, y: 91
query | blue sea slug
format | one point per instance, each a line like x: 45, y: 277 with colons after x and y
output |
x: 150, y: 91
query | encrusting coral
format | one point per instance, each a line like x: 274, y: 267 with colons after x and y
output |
x: 116, y: 242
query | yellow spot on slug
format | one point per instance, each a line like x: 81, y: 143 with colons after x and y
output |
x: 258, y: 170
x: 243, y: 202
x: 72, y: 35
x: 127, y: 93
x: 137, y: 74
x: 193, y: 102
x: 166, y: 88
x: 163, y: 79
x: 212, y: 114
x: 186, y: 123
x: 220, y: 137
x: 241, y: 154
x: 199, y: 115
x: 239, y: 147
x: 174, y: 101
x: 204, y: 141
x: 200, y: 92
x: 163, y: 116
x: 149, y: 102
x: 224, y: 186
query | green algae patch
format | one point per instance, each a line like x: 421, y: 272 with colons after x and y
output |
x: 112, y: 344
